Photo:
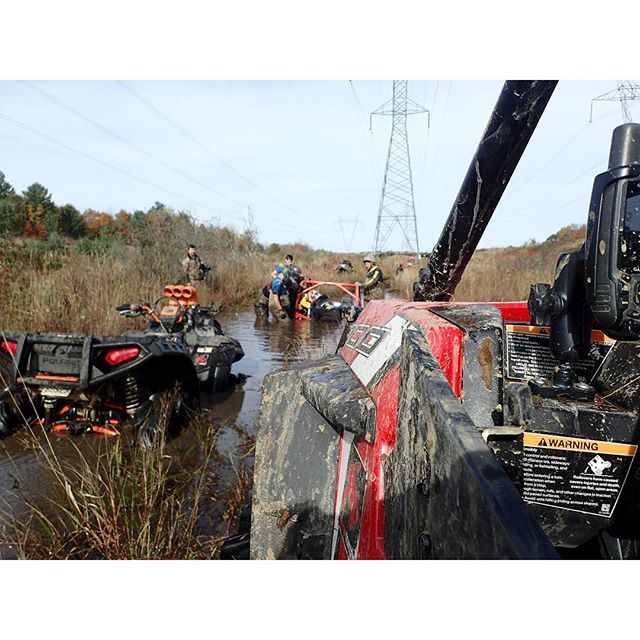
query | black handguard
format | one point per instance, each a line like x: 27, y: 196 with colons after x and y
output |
x: 612, y: 262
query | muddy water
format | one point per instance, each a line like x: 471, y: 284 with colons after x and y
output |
x: 267, y: 346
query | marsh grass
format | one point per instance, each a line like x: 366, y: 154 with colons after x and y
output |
x: 165, y: 501
x: 497, y: 275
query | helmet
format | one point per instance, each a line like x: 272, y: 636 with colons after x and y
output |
x: 369, y: 258
x: 278, y: 269
x: 313, y: 295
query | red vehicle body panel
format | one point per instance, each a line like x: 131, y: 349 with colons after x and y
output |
x: 363, y: 502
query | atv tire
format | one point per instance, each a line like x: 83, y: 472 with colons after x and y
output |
x: 164, y: 412
x: 8, y: 423
x: 15, y: 411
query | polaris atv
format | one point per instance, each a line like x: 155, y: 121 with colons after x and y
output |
x: 178, y: 314
x: 75, y: 384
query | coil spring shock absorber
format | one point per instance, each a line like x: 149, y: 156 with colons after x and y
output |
x: 131, y: 395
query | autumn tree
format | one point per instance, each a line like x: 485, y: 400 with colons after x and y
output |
x: 42, y: 206
x: 35, y: 215
x: 124, y: 225
x: 99, y: 224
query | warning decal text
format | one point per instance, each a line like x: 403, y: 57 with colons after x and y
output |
x: 575, y: 473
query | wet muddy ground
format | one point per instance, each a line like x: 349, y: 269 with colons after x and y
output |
x: 234, y: 413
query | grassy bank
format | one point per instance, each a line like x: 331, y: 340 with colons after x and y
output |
x: 69, y: 287
x: 177, y: 499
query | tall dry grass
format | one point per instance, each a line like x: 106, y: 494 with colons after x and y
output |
x: 71, y: 291
x: 501, y: 274
x: 120, y: 502
x: 76, y: 292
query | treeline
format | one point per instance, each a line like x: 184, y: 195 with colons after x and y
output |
x: 34, y: 214
x: 33, y: 217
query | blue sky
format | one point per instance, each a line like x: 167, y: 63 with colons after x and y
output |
x: 298, y: 155
x: 264, y: 107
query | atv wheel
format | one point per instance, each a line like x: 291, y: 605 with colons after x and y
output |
x: 165, y: 412
x: 8, y: 423
x: 15, y: 412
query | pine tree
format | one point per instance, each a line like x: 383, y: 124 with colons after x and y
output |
x: 71, y: 222
x: 40, y: 199
x: 6, y: 190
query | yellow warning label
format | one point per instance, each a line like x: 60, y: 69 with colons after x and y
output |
x: 596, y: 336
x: 545, y: 441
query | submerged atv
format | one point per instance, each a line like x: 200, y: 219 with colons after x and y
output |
x: 178, y: 314
x: 75, y: 384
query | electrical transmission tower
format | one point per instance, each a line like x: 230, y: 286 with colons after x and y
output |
x: 397, y: 205
x: 342, y: 223
x: 625, y: 92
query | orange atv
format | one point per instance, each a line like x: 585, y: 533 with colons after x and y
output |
x: 178, y: 314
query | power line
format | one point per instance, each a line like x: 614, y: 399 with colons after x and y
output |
x: 423, y: 165
x: 106, y: 164
x: 360, y: 111
x: 444, y: 117
x: 122, y: 139
x: 65, y: 146
x: 185, y: 133
x: 512, y: 214
x: 547, y: 163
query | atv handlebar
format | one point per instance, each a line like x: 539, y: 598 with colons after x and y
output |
x: 136, y: 310
x: 133, y: 310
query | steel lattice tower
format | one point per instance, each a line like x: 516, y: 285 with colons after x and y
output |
x: 397, y: 205
x: 625, y: 92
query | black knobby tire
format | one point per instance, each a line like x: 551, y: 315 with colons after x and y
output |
x: 8, y: 423
x: 164, y: 412
x: 15, y: 412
